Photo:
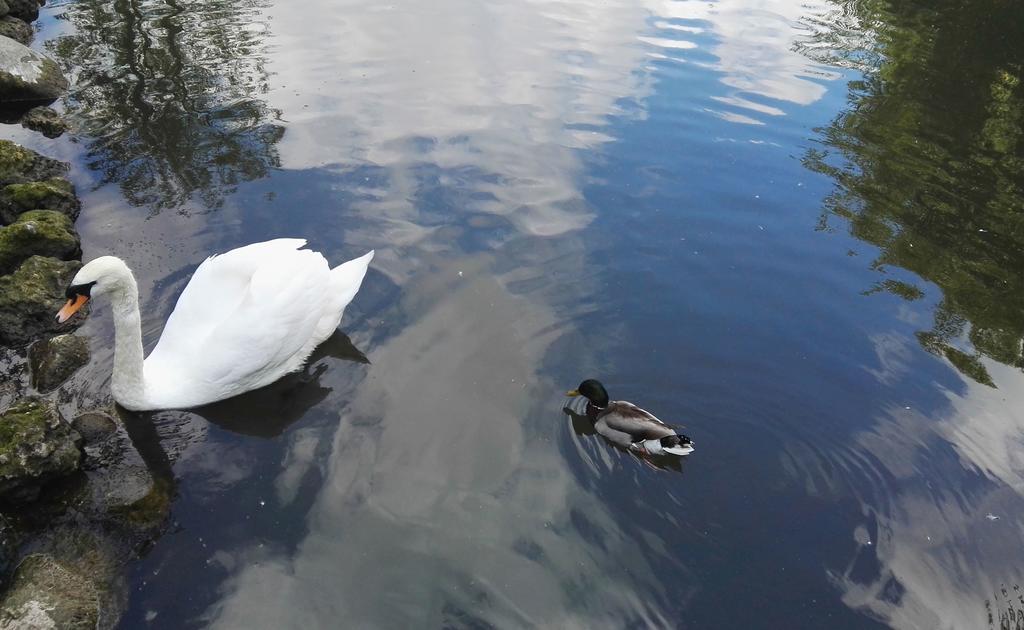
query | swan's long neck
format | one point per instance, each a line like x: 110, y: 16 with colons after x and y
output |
x: 128, y: 384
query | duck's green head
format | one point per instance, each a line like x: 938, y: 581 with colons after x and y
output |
x: 593, y: 391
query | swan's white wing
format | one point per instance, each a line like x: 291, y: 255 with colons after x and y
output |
x: 265, y: 336
x: 251, y: 330
x: 216, y: 289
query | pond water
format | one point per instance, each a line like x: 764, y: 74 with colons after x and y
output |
x: 794, y: 227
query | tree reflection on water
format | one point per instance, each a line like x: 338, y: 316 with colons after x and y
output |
x: 168, y: 96
x: 928, y: 160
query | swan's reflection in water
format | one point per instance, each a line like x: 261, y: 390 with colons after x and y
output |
x: 264, y: 413
x: 268, y: 411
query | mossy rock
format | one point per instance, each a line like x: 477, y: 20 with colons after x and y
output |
x: 19, y: 165
x: 31, y: 296
x: 53, y: 361
x: 46, y: 593
x: 51, y: 194
x: 37, y: 232
x: 36, y: 446
x: 18, y: 30
x: 46, y: 121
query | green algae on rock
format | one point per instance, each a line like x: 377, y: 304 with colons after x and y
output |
x: 36, y: 446
x: 31, y: 296
x: 37, y: 232
x: 51, y: 194
x: 19, y: 165
x: 53, y: 361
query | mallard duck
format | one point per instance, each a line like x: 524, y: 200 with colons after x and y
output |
x: 246, y: 318
x: 629, y: 426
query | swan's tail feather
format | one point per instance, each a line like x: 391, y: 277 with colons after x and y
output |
x: 346, y: 279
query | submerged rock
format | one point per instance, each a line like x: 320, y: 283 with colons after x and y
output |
x: 27, y: 76
x: 47, y: 594
x: 121, y: 488
x: 46, y: 121
x: 27, y: 10
x: 53, y: 361
x: 52, y: 194
x: 31, y: 296
x: 19, y: 165
x: 37, y: 232
x: 18, y: 30
x: 36, y: 446
x: 71, y: 577
x: 94, y: 427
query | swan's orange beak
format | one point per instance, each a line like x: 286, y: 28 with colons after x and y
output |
x: 72, y: 307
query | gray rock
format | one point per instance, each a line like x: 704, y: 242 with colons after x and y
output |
x: 52, y: 194
x: 36, y: 447
x: 4, y: 8
x: 48, y: 594
x: 46, y: 121
x: 53, y: 361
x: 37, y: 232
x: 27, y: 10
x: 31, y: 296
x: 19, y: 165
x: 18, y: 30
x: 27, y: 76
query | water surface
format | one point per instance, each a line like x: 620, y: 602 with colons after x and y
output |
x: 793, y: 227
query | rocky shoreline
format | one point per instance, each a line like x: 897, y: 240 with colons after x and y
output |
x: 77, y: 501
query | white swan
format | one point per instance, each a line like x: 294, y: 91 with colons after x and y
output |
x: 246, y: 318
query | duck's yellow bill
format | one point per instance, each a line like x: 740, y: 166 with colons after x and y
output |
x: 572, y: 392
x: 71, y: 308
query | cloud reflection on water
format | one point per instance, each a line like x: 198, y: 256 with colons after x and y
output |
x: 929, y: 555
x: 440, y: 497
x: 438, y: 505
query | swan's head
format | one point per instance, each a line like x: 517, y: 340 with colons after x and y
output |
x: 593, y: 391
x: 105, y: 274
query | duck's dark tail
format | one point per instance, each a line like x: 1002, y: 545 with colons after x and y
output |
x: 677, y: 444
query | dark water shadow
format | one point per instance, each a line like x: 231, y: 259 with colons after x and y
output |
x: 268, y: 411
x: 265, y: 413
